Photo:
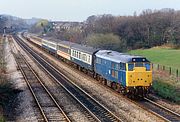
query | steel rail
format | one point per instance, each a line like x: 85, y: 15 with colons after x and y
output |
x: 45, y: 88
x: 111, y: 115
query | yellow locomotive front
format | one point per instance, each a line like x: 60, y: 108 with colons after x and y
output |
x: 139, y: 76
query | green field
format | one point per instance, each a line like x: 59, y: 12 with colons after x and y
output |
x: 163, y: 56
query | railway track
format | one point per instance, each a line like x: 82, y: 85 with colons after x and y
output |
x: 158, y: 110
x: 68, y: 104
x: 46, y: 103
x: 97, y: 110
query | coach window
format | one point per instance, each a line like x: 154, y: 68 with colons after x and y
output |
x: 77, y: 54
x: 74, y: 53
x: 89, y: 59
x: 85, y: 57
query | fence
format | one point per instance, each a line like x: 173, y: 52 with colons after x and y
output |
x: 169, y: 70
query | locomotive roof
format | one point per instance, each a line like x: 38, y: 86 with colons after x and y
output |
x: 118, y: 57
x: 84, y: 48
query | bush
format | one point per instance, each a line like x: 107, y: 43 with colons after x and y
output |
x: 166, y: 90
x: 6, y: 92
x: 105, y: 41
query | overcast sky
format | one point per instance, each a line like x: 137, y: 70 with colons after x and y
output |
x: 79, y: 10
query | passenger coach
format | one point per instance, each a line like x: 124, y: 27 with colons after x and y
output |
x: 36, y: 40
x: 51, y: 46
x: 83, y: 56
x: 64, y: 50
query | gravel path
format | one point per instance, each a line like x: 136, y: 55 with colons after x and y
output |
x: 119, y: 105
x: 22, y: 105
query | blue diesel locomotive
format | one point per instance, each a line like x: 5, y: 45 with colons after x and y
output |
x: 125, y: 73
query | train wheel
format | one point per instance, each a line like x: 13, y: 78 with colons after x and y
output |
x: 119, y: 88
x: 97, y: 77
x: 104, y: 81
x: 113, y: 86
x: 85, y: 71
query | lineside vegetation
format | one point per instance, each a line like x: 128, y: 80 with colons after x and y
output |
x: 167, y: 89
x: 7, y: 90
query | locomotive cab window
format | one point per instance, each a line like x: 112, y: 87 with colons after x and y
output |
x: 148, y: 66
x: 130, y: 66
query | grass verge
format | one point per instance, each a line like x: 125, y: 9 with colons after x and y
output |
x: 166, y: 90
